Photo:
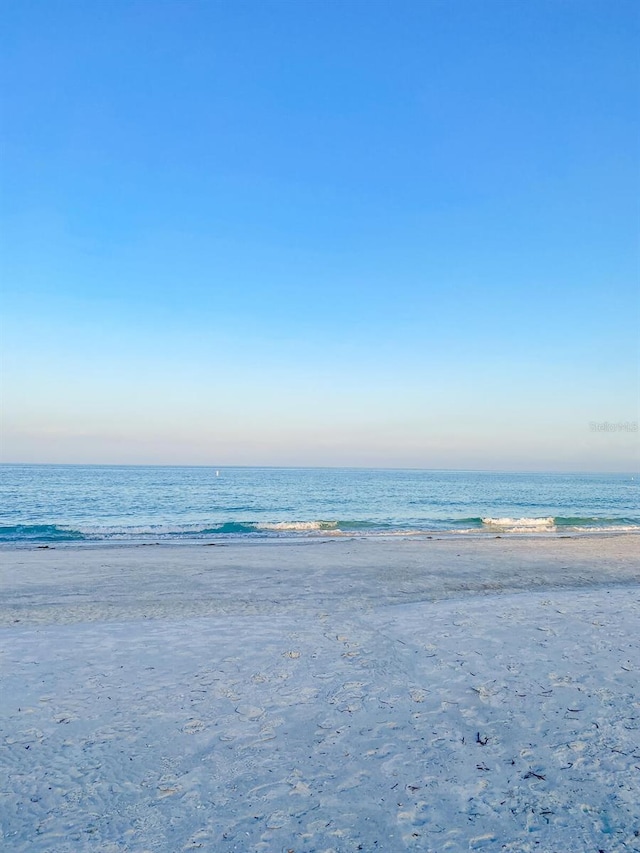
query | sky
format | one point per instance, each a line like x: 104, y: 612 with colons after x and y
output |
x: 272, y: 232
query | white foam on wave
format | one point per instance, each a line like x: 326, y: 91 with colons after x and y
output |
x: 127, y: 531
x: 301, y: 526
x: 521, y: 525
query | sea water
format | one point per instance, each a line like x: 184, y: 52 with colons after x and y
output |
x: 72, y: 503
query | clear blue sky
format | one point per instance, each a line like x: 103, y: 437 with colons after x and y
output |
x: 362, y: 233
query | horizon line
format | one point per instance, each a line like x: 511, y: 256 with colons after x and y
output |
x: 631, y: 472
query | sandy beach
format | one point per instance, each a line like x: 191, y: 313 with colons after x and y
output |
x: 325, y: 695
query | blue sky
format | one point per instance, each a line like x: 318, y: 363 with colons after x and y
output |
x: 350, y: 233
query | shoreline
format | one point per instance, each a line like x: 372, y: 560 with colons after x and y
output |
x: 75, y: 584
x: 264, y: 538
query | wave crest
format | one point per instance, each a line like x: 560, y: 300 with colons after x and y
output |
x: 39, y: 533
x: 521, y: 525
x: 168, y: 532
x: 298, y: 526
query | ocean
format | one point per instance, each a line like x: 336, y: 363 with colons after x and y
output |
x: 74, y: 503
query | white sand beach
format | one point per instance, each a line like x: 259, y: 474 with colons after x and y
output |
x: 326, y: 695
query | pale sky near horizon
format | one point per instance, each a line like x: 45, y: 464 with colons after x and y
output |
x: 321, y: 233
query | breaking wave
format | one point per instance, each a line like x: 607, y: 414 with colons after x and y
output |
x: 39, y: 533
x: 51, y: 533
x: 521, y: 525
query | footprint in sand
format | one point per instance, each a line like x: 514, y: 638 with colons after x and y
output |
x: 167, y: 792
x: 199, y: 840
x: 277, y: 820
x: 250, y: 712
x: 193, y: 726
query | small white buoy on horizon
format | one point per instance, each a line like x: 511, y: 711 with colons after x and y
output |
x: 217, y: 473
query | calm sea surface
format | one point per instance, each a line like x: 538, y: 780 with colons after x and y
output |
x: 49, y: 503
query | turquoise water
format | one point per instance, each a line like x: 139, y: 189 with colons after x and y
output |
x: 68, y: 503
